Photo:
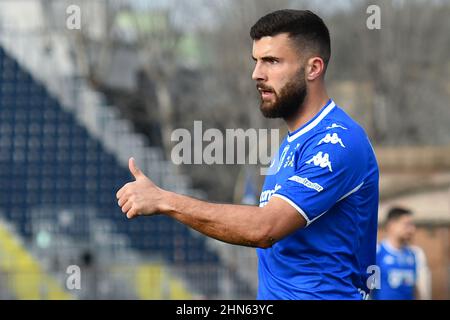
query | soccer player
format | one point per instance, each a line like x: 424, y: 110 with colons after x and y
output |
x: 402, y: 266
x: 316, y: 225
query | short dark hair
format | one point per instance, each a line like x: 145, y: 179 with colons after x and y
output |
x: 303, y: 26
x: 397, y: 212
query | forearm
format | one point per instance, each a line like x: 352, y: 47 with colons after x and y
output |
x: 236, y: 224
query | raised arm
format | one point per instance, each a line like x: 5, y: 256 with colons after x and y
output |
x: 237, y: 224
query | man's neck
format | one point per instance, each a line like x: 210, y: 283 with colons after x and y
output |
x: 395, y: 243
x: 311, y: 106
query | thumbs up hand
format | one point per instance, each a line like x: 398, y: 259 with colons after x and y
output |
x: 140, y: 197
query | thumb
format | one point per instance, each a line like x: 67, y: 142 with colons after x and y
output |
x: 135, y: 171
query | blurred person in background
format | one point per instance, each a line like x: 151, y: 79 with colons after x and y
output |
x: 404, y: 273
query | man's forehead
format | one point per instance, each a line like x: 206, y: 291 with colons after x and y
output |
x: 406, y: 218
x: 272, y: 44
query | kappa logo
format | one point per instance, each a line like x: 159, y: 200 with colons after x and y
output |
x: 322, y: 160
x: 332, y: 138
x: 334, y: 125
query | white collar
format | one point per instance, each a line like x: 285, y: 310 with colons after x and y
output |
x: 326, y: 110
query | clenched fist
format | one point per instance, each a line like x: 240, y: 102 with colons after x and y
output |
x: 140, y: 197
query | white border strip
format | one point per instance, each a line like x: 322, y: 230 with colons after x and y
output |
x: 352, y: 191
x: 295, y: 206
x: 308, y: 222
x: 318, y: 216
x: 314, y: 123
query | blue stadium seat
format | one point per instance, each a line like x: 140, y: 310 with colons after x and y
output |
x: 48, y: 158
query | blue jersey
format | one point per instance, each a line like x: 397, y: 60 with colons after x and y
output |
x: 328, y: 172
x: 397, y: 272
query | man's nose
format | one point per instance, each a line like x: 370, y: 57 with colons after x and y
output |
x: 258, y: 74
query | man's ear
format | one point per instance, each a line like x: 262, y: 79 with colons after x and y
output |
x: 315, y: 68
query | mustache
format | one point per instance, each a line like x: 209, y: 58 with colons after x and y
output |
x: 263, y: 87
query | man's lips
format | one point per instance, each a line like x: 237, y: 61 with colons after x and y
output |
x: 265, y: 93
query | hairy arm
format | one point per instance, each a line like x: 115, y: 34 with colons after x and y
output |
x: 236, y: 224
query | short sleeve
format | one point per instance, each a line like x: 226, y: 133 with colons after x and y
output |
x: 331, y: 167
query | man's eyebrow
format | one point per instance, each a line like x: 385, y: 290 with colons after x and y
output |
x: 267, y: 58
x: 270, y: 58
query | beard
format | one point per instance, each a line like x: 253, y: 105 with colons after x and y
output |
x: 290, y: 98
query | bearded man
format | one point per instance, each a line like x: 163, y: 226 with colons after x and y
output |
x: 316, y: 225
